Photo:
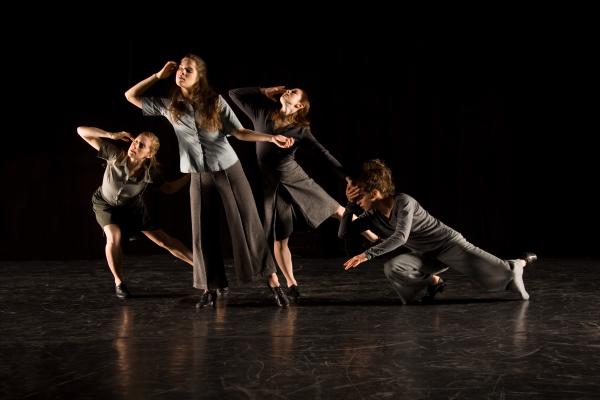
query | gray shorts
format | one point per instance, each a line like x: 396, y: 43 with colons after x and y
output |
x: 131, y: 217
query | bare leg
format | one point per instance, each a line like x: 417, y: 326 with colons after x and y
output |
x: 283, y: 256
x: 273, y: 280
x: 173, y: 245
x: 114, y: 252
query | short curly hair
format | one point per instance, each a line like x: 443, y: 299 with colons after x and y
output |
x: 376, y: 175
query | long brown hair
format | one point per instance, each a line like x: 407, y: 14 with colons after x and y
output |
x: 299, y: 118
x: 205, y: 100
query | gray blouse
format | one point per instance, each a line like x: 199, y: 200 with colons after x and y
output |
x: 200, y: 150
x: 118, y: 187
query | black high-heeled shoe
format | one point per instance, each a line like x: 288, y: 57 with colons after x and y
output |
x: 224, y: 291
x: 207, y: 299
x: 279, y: 296
x: 432, y: 290
x: 293, y: 293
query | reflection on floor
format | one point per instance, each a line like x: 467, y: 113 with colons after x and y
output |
x: 64, y: 334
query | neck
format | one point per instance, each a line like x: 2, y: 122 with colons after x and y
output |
x: 134, y: 163
x: 286, y: 110
x: 384, y: 206
x: 187, y: 94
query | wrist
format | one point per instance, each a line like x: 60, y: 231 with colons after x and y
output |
x: 156, y: 76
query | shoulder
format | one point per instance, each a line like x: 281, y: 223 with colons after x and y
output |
x: 404, y: 200
x: 222, y: 103
x: 305, y: 132
x: 110, y: 151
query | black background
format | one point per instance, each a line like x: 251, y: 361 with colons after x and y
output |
x: 487, y: 131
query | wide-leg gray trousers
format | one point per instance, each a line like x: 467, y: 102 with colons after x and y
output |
x: 410, y: 272
x: 252, y: 257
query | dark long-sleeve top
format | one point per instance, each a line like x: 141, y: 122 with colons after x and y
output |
x: 409, y: 225
x: 258, y: 108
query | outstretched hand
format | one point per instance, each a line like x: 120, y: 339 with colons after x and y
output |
x: 273, y: 91
x: 167, y: 70
x: 124, y: 136
x: 355, y: 261
x: 283, y: 141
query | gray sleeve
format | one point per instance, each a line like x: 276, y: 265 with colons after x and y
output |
x: 153, y: 106
x: 404, y: 222
x: 310, y: 139
x: 228, y: 118
x: 108, y: 150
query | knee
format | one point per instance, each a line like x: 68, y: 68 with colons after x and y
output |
x: 113, y: 237
x: 393, y: 270
x: 388, y: 269
x: 280, y: 245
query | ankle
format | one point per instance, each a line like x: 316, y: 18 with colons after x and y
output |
x: 273, y: 281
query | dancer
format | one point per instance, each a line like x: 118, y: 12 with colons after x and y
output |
x: 286, y: 186
x: 416, y: 245
x: 202, y: 120
x: 119, y: 204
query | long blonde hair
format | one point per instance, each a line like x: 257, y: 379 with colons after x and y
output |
x: 154, y: 146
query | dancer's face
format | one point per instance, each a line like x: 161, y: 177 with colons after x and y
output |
x: 187, y: 74
x: 365, y: 201
x: 140, y: 148
x: 292, y: 97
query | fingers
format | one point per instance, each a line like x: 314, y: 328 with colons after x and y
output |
x: 284, y: 141
x: 351, y: 263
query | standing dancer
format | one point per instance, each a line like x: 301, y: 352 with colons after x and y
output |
x: 286, y: 186
x: 202, y: 120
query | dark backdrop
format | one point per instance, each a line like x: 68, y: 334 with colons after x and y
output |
x: 485, y: 131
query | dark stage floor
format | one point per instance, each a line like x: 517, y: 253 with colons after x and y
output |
x: 64, y: 334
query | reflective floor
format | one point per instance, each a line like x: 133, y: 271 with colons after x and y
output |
x: 64, y: 334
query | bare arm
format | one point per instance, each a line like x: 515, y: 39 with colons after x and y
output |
x: 135, y: 93
x: 93, y: 136
x: 176, y: 185
x: 369, y: 235
x: 253, y: 136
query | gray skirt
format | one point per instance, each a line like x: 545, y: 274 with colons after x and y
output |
x: 287, y: 187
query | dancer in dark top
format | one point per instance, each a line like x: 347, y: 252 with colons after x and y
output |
x: 119, y: 203
x: 202, y: 120
x: 415, y: 245
x: 286, y: 186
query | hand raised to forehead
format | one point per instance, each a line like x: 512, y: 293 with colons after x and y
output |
x: 273, y: 91
x: 353, y: 192
x: 167, y: 70
x: 124, y: 136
